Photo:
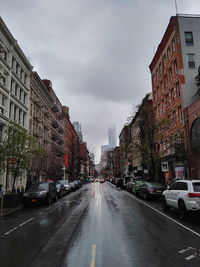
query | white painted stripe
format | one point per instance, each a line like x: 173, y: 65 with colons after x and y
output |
x: 10, y: 231
x: 191, y: 257
x: 93, y: 258
x: 180, y: 224
x: 26, y: 222
x: 48, y: 208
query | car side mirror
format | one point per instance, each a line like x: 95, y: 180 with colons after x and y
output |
x: 168, y: 187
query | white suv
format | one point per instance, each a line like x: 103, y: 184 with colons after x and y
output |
x: 183, y: 195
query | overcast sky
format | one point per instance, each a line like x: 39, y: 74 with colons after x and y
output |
x: 95, y: 52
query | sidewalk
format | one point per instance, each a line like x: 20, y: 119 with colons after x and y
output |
x: 10, y: 211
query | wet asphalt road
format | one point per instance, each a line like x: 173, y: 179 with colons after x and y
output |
x: 98, y: 226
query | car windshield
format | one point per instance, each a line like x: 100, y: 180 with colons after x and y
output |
x: 155, y: 185
x: 43, y: 186
x: 196, y: 187
x: 64, y: 182
x: 58, y: 186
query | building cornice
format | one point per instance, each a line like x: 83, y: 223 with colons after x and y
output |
x: 14, y: 43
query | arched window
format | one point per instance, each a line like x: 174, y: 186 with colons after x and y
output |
x: 195, y: 134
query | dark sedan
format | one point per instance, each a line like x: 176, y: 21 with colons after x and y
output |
x: 149, y: 190
x: 61, y: 190
x: 43, y: 192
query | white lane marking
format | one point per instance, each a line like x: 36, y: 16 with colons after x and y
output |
x: 48, y: 208
x: 191, y: 257
x: 93, y: 257
x: 186, y: 249
x: 26, y: 222
x: 180, y: 224
x: 40, y: 213
x: 15, y: 228
x: 10, y: 231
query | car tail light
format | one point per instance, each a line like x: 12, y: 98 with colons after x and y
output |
x: 193, y: 194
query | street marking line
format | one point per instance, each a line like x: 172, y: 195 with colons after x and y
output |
x: 186, y: 249
x: 180, y: 224
x: 93, y: 258
x: 48, y: 208
x: 25, y: 222
x: 10, y: 231
x: 191, y: 257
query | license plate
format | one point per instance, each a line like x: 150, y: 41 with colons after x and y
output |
x: 158, y: 191
x: 33, y: 200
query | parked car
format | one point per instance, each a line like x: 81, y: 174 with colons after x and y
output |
x: 120, y: 183
x: 61, y: 190
x: 102, y: 180
x: 130, y: 184
x: 148, y: 190
x: 135, y: 187
x: 73, y: 186
x: 77, y: 183
x: 66, y: 185
x: 183, y: 195
x: 42, y: 192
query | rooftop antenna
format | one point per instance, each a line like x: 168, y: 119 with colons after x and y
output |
x: 176, y: 7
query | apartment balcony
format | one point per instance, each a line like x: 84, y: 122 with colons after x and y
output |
x: 36, y: 134
x: 60, y: 130
x: 47, y: 125
x: 54, y: 124
x: 38, y: 118
x: 55, y: 108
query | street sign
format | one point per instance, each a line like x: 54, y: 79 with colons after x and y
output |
x: 165, y: 166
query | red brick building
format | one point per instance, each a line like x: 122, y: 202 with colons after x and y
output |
x: 192, y: 115
x: 70, y: 147
x: 56, y: 156
x: 173, y: 71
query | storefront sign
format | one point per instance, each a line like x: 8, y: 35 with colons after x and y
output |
x: 165, y: 166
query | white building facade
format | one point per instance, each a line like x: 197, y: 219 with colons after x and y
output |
x: 15, y: 72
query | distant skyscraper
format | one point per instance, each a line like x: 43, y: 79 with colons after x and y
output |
x: 112, y: 137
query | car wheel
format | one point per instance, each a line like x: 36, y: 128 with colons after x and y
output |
x: 48, y: 200
x: 183, y: 214
x: 146, y: 196
x: 164, y: 205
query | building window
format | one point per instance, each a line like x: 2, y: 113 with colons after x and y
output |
x: 180, y: 115
x: 173, y: 45
x: 172, y: 95
x: 168, y: 54
x: 166, y: 81
x: 170, y: 74
x: 178, y: 94
x: 162, y: 87
x: 24, y: 119
x: 174, y: 118
x: 189, y: 39
x: 160, y: 69
x: 1, y: 132
x: 167, y: 100
x: 162, y: 106
x: 175, y: 68
x: 164, y: 61
x: 191, y: 61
